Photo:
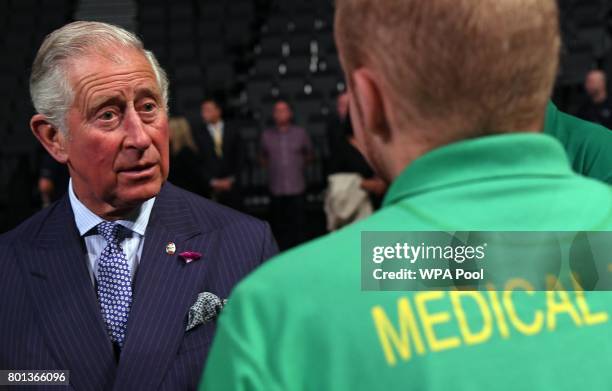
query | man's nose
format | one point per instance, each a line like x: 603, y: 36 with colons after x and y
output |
x: 137, y: 136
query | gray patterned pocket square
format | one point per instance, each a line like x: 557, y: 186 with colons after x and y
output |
x: 206, y: 308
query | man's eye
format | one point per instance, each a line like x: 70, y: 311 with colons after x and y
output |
x: 107, y: 116
x: 148, y: 107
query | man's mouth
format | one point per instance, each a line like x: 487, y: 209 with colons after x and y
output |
x: 140, y: 171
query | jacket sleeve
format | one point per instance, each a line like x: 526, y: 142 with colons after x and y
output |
x: 237, y: 361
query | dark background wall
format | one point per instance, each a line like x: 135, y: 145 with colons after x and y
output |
x: 246, y: 53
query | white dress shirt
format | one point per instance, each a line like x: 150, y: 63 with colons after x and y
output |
x: 216, y: 129
x: 131, y: 239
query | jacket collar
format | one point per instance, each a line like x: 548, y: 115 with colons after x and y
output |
x: 480, y: 159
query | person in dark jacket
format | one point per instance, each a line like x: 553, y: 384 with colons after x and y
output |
x: 222, y: 154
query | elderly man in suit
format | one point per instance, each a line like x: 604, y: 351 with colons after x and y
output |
x: 114, y: 281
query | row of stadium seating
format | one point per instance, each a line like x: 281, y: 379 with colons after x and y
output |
x: 248, y: 54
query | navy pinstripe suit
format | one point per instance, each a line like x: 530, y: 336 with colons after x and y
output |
x: 49, y: 313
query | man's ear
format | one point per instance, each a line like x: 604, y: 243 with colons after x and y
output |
x: 50, y: 137
x: 370, y: 103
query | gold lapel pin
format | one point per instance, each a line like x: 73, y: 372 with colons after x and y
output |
x: 170, y: 248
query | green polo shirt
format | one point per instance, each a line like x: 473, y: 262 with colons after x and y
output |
x: 588, y: 145
x: 302, y: 322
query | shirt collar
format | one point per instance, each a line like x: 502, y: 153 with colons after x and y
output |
x: 481, y: 159
x: 220, y: 124
x: 86, y: 220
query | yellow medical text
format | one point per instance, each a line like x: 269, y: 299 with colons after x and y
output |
x: 434, y: 321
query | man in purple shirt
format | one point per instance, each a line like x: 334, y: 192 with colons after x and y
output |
x: 285, y: 151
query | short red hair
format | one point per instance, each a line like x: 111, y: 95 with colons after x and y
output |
x: 489, y: 63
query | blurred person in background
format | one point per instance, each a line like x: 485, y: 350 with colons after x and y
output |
x: 588, y: 145
x: 598, y: 107
x: 336, y: 129
x: 285, y: 151
x: 186, y: 168
x: 222, y: 152
x: 354, y: 190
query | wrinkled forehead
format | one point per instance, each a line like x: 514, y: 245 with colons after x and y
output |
x: 110, y: 70
x: 107, y: 65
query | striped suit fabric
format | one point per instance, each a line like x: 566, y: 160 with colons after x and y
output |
x: 49, y: 312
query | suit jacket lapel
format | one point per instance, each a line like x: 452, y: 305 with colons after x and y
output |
x: 164, y: 288
x: 65, y: 299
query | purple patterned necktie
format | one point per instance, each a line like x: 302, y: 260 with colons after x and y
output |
x: 114, y: 284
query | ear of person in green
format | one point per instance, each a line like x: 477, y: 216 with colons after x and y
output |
x: 457, y: 133
x: 588, y: 145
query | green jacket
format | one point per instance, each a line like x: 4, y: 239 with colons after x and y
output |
x: 588, y: 145
x: 302, y: 322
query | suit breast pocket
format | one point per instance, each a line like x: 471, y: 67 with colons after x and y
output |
x: 198, y: 338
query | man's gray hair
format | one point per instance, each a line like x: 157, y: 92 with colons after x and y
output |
x: 51, y: 92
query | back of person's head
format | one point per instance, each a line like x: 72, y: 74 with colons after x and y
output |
x: 180, y: 135
x: 469, y: 67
